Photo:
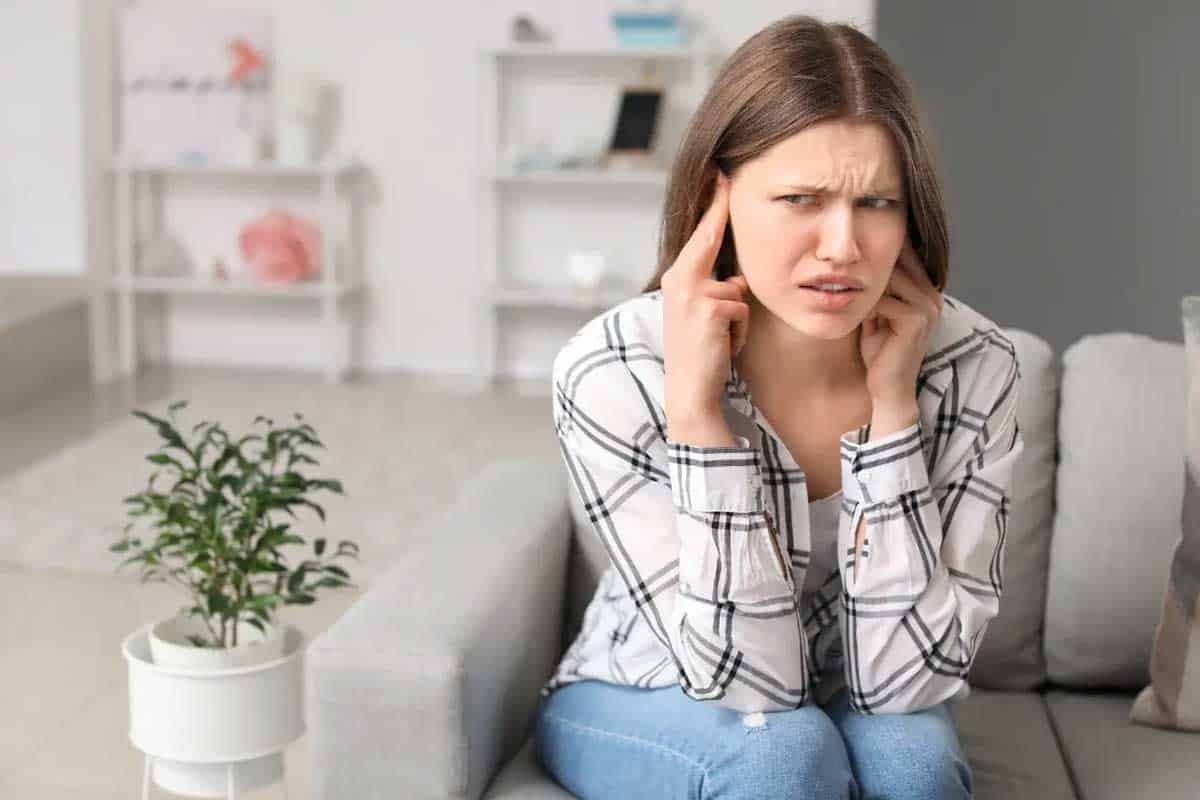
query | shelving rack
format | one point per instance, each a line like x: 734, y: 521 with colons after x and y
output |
x: 502, y: 293
x: 341, y: 279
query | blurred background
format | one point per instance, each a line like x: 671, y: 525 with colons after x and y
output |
x: 392, y: 217
x: 1064, y: 132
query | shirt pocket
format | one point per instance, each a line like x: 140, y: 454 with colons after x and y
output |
x: 785, y: 569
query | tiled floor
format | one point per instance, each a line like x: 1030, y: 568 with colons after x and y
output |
x: 64, y: 696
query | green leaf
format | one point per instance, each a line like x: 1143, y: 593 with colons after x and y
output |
x: 331, y: 582
x: 295, y: 581
x: 217, y: 603
x: 319, y: 546
x: 320, y: 511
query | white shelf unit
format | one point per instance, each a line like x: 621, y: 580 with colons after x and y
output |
x: 340, y: 282
x: 502, y: 293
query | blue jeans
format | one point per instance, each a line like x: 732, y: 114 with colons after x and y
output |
x: 604, y: 741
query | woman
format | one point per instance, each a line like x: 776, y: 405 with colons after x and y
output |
x: 793, y: 446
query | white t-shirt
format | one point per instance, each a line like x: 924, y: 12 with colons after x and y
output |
x: 824, y: 514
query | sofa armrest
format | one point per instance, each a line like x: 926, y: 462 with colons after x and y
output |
x: 429, y: 682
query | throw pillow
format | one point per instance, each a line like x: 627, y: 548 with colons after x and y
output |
x: 1172, y: 700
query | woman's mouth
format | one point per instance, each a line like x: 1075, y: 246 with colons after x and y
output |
x: 830, y: 300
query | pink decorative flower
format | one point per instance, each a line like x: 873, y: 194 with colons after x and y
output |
x: 280, y: 247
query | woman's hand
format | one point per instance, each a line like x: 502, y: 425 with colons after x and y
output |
x: 704, y: 322
x: 896, y: 334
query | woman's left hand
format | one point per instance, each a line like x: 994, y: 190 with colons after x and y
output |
x: 896, y: 333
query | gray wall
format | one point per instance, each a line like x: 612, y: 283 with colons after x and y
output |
x: 1068, y: 140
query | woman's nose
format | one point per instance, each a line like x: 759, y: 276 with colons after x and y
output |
x: 838, y: 242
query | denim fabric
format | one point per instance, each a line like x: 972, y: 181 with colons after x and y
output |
x: 605, y: 741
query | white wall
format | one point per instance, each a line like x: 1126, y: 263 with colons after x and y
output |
x: 41, y: 166
x: 409, y: 83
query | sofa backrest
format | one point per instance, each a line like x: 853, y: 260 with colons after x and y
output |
x: 1117, y: 518
x: 1011, y: 656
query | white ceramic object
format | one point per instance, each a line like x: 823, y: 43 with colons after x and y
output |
x: 206, y: 730
x: 295, y: 141
x: 169, y: 645
x: 586, y: 268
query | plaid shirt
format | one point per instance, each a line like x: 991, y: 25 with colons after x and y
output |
x: 696, y: 593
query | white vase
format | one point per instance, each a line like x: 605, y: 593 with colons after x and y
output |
x: 295, y: 141
x: 202, y: 726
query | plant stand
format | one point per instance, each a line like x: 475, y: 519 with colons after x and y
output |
x: 214, y: 734
x: 231, y: 790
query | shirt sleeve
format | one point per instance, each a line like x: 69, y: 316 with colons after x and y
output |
x: 917, y: 606
x: 687, y: 530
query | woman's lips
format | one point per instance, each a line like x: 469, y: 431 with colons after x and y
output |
x: 830, y: 301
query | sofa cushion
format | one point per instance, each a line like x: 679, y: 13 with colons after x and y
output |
x: 1111, y: 758
x: 1116, y: 523
x: 1011, y: 654
x: 1010, y: 745
x: 523, y: 778
x: 1006, y: 736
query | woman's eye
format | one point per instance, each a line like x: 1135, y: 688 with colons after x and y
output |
x: 810, y: 199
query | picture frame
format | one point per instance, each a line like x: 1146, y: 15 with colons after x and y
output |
x: 636, y: 125
x: 183, y: 97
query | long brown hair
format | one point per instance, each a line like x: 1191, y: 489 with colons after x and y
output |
x: 794, y: 73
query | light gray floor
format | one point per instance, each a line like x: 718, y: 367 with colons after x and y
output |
x: 64, y: 697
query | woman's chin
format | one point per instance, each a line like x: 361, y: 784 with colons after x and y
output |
x: 820, y: 326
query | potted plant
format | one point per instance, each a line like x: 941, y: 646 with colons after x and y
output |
x: 216, y: 691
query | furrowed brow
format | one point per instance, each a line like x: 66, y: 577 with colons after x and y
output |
x: 812, y: 189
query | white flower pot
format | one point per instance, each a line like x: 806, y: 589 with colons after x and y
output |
x: 213, y: 727
x: 170, y: 647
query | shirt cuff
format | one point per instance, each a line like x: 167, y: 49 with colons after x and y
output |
x: 883, y: 468
x: 715, y: 478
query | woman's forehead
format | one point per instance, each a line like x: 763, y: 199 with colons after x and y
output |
x: 831, y: 153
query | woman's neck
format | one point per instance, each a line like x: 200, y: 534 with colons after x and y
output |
x: 779, y: 356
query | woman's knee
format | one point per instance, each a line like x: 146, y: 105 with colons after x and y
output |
x: 934, y: 774
x: 789, y: 755
x: 593, y: 760
x: 904, y: 756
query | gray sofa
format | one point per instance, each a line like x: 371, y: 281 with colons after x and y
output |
x: 427, y: 686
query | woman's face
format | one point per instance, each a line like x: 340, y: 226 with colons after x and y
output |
x: 827, y: 199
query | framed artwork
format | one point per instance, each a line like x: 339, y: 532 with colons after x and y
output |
x: 195, y: 85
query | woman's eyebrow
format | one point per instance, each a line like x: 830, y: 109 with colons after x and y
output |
x: 808, y: 188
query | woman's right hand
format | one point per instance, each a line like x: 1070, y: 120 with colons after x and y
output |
x: 704, y: 323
